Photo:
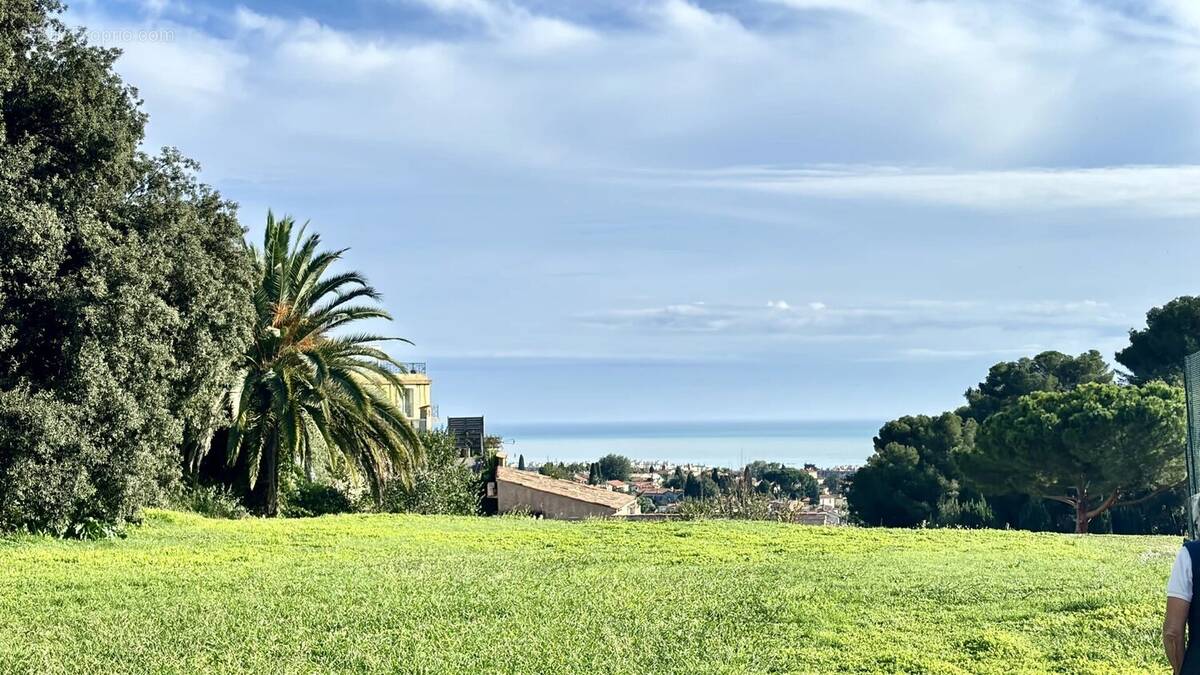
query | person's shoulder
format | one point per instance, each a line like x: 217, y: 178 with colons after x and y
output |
x: 1192, y: 548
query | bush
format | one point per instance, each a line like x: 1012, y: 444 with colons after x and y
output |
x: 444, y: 485
x: 302, y: 498
x: 971, y: 514
x: 737, y: 505
x: 213, y: 501
x: 123, y: 289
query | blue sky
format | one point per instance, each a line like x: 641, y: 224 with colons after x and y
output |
x: 772, y: 209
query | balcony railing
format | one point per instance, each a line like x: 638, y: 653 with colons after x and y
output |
x: 417, y: 367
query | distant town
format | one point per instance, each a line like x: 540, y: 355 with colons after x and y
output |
x: 807, y: 494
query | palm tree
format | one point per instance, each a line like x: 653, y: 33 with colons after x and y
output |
x: 303, y: 388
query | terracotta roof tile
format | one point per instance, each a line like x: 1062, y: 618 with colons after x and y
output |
x: 564, y: 488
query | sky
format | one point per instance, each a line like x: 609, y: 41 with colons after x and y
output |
x: 662, y: 210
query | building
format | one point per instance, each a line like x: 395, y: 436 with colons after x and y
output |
x: 413, y: 397
x: 553, y: 498
x: 661, y: 497
x: 617, y: 485
x: 469, y: 435
x: 817, y: 518
x: 842, y: 471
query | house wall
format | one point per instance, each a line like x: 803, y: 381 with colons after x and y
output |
x: 418, y: 386
x: 511, y: 496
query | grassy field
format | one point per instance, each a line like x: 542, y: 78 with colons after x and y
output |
x: 429, y: 594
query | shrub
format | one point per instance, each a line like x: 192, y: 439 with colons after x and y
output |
x: 302, y: 498
x: 213, y: 501
x: 446, y: 484
x: 972, y: 513
x: 737, y: 505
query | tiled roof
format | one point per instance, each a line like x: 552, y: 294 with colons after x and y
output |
x: 564, y: 488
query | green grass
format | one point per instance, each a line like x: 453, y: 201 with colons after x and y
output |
x: 432, y: 594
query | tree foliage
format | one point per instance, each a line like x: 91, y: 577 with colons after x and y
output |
x: 562, y: 470
x: 308, y: 385
x: 123, y: 287
x: 1157, y: 351
x: 1092, y: 448
x: 1048, y: 371
x: 443, y: 484
x: 896, y: 489
x: 614, y: 467
x: 913, y: 470
x: 790, y: 482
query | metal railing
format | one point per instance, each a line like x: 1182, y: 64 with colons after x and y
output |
x: 415, y: 367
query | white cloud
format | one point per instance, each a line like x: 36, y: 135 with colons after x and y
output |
x: 518, y: 29
x: 1171, y: 190
x: 925, y: 353
x: 966, y: 83
x: 892, y: 318
x: 172, y: 63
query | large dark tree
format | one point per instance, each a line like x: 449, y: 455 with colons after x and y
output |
x: 896, y: 488
x: 1093, y: 448
x: 1157, y: 351
x: 1048, y: 371
x: 913, y: 470
x: 790, y: 482
x: 614, y: 467
x: 123, y: 287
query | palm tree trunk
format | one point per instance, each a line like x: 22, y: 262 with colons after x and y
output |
x: 270, y: 471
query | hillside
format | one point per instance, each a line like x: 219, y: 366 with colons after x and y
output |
x: 397, y: 593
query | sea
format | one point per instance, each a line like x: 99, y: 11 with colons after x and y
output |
x: 730, y: 444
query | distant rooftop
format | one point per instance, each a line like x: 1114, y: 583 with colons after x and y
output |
x: 565, y: 488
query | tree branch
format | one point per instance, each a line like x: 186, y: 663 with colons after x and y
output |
x: 1065, y: 500
x: 1157, y: 491
x: 1105, y: 505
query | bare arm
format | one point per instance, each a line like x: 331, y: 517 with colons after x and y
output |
x: 1173, y: 628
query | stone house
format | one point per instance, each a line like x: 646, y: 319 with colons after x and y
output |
x: 553, y: 498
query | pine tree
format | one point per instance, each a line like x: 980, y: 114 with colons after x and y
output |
x: 520, y: 462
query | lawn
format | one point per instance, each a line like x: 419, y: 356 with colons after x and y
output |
x: 431, y: 594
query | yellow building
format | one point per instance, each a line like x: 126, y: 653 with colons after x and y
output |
x: 413, y: 397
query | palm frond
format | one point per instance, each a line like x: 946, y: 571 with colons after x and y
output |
x: 302, y: 387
